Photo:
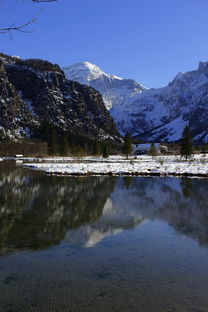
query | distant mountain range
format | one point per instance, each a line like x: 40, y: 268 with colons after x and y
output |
x: 91, y: 103
x: 151, y: 114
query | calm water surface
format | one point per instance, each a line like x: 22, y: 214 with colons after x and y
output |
x: 102, y: 243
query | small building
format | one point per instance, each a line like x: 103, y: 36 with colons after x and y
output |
x: 142, y: 149
x: 18, y: 156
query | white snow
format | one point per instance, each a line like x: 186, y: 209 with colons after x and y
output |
x: 115, y: 90
x: 174, y: 129
x: 160, y: 113
x: 85, y: 70
x: 118, y: 165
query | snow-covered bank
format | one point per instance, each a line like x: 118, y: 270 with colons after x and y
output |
x: 146, y: 165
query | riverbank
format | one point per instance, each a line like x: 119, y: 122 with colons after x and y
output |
x: 118, y: 165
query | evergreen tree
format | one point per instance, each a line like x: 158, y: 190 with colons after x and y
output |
x: 186, y: 143
x: 97, y: 148
x: 52, y: 143
x: 64, y: 147
x: 205, y: 148
x: 127, y: 147
x: 80, y: 152
x: 105, y: 151
x: 153, y: 151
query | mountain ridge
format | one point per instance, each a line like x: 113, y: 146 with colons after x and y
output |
x: 110, y: 86
x: 156, y: 114
x: 35, y: 92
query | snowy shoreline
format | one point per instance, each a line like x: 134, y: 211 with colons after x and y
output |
x: 118, y: 165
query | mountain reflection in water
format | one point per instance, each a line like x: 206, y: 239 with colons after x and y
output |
x: 38, y: 211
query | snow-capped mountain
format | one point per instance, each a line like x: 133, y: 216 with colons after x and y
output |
x: 161, y: 114
x: 152, y: 114
x: 115, y: 90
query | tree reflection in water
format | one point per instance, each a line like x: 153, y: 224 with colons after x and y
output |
x: 37, y: 211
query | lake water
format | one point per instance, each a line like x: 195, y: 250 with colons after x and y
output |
x: 102, y: 243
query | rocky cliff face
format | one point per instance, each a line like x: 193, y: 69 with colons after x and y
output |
x: 152, y: 114
x: 33, y: 92
x: 14, y: 118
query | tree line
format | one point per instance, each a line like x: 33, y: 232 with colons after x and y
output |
x: 65, y: 144
x: 186, y: 145
x: 56, y: 142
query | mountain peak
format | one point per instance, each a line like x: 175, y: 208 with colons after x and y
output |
x: 203, y: 67
x: 84, y: 72
x: 111, y: 87
x: 92, y: 68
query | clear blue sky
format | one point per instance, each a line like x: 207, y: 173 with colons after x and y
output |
x: 147, y: 40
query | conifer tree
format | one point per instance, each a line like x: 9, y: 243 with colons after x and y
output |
x: 186, y: 143
x: 127, y: 147
x: 64, y: 147
x: 153, y: 151
x: 97, y: 148
x: 105, y: 151
x: 205, y: 148
x: 52, y: 143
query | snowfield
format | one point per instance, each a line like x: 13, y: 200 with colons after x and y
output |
x: 118, y: 165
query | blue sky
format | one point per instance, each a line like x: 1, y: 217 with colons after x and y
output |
x: 147, y: 40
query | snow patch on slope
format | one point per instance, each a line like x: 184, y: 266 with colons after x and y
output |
x: 152, y: 114
x: 115, y: 90
x: 84, y: 72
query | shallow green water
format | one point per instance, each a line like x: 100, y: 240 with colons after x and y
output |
x: 102, y: 243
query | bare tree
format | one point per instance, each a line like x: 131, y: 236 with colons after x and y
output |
x: 23, y: 27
